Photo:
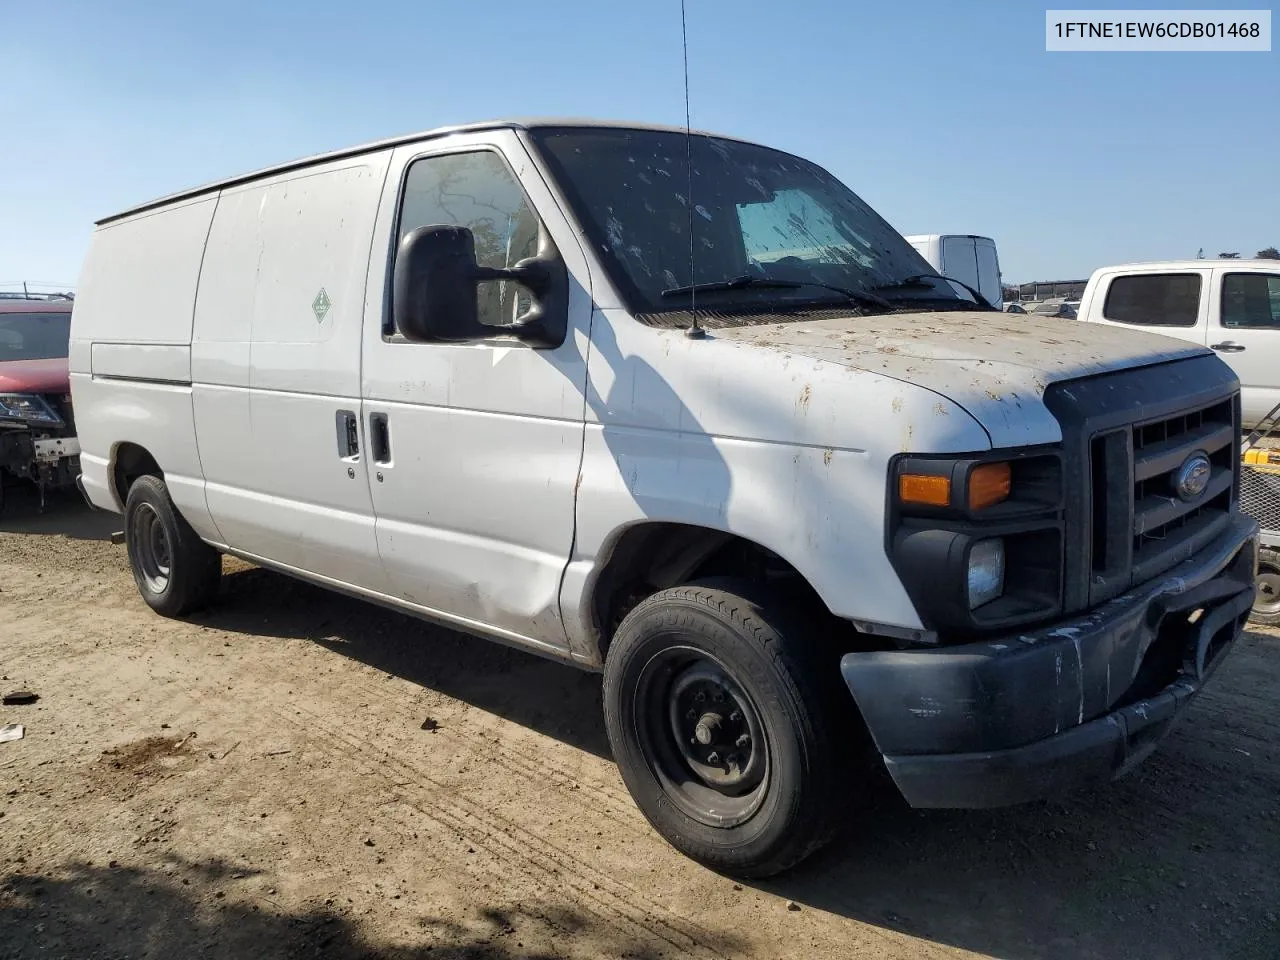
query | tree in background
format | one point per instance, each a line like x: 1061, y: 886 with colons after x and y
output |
x: 1268, y: 253
x: 1229, y: 256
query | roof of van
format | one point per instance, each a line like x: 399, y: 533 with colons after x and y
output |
x: 1196, y: 262
x: 510, y: 124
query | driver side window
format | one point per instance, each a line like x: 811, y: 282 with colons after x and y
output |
x: 476, y: 190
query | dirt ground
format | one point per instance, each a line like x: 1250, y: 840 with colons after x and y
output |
x: 296, y: 774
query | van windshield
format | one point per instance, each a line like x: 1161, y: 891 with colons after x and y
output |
x: 34, y: 336
x: 756, y: 213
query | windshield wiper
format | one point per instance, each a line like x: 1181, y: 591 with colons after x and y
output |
x: 864, y: 297
x: 921, y: 280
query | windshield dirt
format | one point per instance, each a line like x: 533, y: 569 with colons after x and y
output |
x: 756, y: 213
x: 34, y: 336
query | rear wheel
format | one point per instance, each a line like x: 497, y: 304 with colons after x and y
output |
x: 176, y: 572
x: 724, y: 726
x: 1266, y: 603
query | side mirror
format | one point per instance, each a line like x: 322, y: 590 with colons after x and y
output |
x: 434, y: 295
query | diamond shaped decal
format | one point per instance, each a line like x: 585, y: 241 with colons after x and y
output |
x: 320, y: 305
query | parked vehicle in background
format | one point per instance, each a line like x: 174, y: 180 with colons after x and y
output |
x: 1014, y: 307
x: 966, y: 258
x: 1231, y: 306
x: 37, y: 431
x: 1051, y: 308
x: 460, y: 374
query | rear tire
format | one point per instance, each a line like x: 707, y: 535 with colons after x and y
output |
x: 724, y: 725
x: 177, y: 573
x: 1266, y: 603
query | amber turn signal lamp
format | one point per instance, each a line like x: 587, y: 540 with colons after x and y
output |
x: 989, y: 484
x: 923, y: 489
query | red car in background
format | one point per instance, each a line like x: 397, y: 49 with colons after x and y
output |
x: 37, y: 432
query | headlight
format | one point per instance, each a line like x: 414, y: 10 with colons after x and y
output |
x: 28, y: 408
x: 978, y: 540
x: 986, y: 572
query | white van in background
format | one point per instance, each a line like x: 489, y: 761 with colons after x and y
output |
x: 1230, y: 306
x: 964, y: 257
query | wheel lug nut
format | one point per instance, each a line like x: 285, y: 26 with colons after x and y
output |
x: 713, y: 757
x: 692, y: 715
x: 735, y: 716
x: 700, y: 697
x: 742, y: 741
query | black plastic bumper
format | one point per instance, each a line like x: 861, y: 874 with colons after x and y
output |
x: 1034, y: 714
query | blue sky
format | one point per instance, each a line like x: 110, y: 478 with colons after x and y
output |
x: 946, y: 117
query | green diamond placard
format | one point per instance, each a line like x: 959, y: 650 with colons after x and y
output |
x: 320, y: 305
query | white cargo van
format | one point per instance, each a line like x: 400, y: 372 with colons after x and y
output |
x: 1232, y: 306
x: 459, y: 374
x: 962, y: 256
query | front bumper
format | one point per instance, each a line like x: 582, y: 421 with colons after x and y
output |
x: 1034, y: 714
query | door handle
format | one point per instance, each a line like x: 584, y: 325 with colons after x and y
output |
x: 380, y: 439
x: 1227, y: 346
x: 348, y: 428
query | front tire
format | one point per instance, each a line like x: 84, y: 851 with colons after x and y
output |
x: 724, y: 725
x: 177, y: 573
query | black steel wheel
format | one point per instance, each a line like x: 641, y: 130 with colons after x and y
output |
x: 175, y: 570
x: 1266, y: 602
x: 725, y: 724
x: 704, y: 735
x: 149, y: 547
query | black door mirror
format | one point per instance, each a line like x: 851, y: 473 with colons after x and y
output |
x: 434, y: 297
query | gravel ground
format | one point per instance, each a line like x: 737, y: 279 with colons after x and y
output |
x: 296, y: 774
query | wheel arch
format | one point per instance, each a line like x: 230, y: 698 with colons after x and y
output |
x: 652, y: 555
x: 129, y: 461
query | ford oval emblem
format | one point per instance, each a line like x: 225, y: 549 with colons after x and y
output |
x: 1192, y: 477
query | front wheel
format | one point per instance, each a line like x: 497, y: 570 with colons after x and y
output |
x: 176, y: 572
x: 724, y: 725
x: 1266, y: 603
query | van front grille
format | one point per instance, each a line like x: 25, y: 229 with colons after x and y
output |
x: 1159, y: 525
x: 1126, y: 435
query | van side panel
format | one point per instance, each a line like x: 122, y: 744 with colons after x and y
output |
x: 130, y: 344
x: 276, y: 356
x: 668, y: 439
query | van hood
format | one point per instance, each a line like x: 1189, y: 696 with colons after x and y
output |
x: 994, y: 365
x: 34, y: 376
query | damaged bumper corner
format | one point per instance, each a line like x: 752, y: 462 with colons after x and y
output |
x: 1036, y: 714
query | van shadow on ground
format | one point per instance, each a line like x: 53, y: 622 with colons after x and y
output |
x: 65, y: 514
x: 221, y: 911
x: 1161, y: 865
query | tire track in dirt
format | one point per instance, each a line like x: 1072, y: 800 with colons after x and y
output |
x: 457, y: 724
x: 587, y: 883
x: 506, y: 842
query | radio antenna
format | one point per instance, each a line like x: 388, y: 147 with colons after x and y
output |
x: 695, y: 332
